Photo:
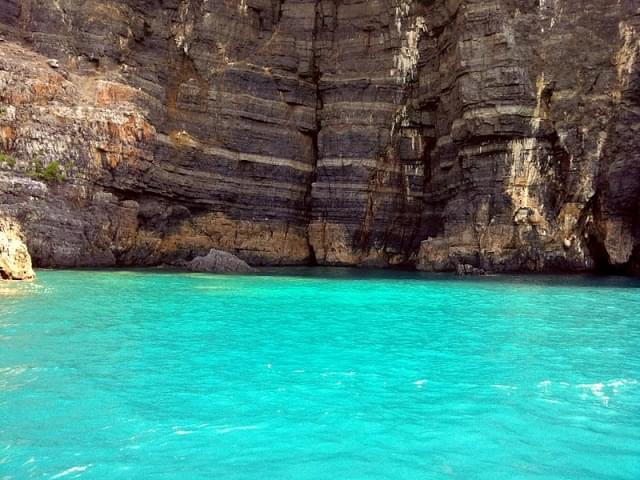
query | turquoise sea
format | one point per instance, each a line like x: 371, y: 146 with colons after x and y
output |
x: 319, y: 373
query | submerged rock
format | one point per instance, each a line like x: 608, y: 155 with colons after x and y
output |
x: 217, y: 261
x: 15, y: 261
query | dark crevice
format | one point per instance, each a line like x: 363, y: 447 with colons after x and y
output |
x: 277, y: 10
x: 315, y: 79
x: 595, y: 240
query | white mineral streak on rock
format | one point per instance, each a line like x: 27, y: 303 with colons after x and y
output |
x: 242, y: 7
x: 525, y: 171
x: 400, y: 119
x: 405, y: 61
x: 552, y: 10
x: 525, y: 176
x: 536, y: 119
x: 626, y: 56
x: 183, y: 29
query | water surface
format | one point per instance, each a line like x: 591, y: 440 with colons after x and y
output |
x: 314, y: 374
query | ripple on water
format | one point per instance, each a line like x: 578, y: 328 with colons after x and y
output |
x: 72, y: 470
x: 389, y: 376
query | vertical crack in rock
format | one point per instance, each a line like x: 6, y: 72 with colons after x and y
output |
x: 407, y: 133
x: 315, y: 78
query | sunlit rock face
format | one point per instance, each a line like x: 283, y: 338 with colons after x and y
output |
x: 15, y: 261
x: 501, y: 134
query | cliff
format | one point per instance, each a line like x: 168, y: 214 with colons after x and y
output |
x: 497, y: 133
x: 15, y: 262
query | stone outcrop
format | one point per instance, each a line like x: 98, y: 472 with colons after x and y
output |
x: 500, y: 134
x: 217, y: 261
x: 466, y: 269
x: 15, y: 262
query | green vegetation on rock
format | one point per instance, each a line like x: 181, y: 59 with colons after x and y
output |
x: 52, y: 173
x: 6, y: 159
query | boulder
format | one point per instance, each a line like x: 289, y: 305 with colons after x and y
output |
x: 15, y: 261
x: 218, y: 261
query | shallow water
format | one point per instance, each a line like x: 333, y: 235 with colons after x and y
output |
x: 310, y: 374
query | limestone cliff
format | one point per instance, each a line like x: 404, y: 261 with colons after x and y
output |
x: 501, y: 134
x: 15, y: 262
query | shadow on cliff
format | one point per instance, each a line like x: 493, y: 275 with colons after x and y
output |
x: 614, y: 235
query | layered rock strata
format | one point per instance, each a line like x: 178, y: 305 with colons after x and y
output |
x: 500, y: 134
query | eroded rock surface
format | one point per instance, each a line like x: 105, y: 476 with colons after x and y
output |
x: 500, y: 134
x: 217, y: 261
x: 15, y: 261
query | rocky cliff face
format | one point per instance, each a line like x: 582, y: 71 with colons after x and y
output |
x: 15, y: 262
x: 501, y: 134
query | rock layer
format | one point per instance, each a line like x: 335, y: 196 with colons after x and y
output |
x: 501, y: 134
